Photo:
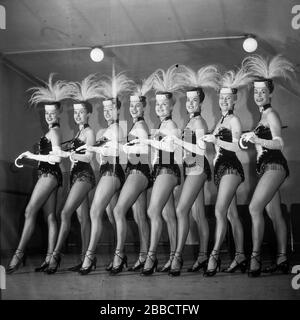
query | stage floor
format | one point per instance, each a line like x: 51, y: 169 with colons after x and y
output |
x: 99, y: 285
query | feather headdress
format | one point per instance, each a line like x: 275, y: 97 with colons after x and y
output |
x: 265, y: 70
x: 231, y: 81
x: 111, y: 87
x: 85, y: 90
x: 166, y: 82
x: 205, y: 77
x: 52, y: 93
x: 140, y: 90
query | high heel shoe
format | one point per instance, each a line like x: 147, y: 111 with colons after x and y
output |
x: 149, y: 271
x: 119, y: 268
x: 167, y: 266
x: 85, y: 271
x: 283, y: 266
x: 109, y: 266
x: 176, y: 271
x: 212, y: 272
x: 57, y: 258
x: 45, y: 264
x: 255, y: 272
x: 199, y: 265
x: 238, y: 265
x: 77, y: 266
x: 139, y: 264
x: 12, y: 268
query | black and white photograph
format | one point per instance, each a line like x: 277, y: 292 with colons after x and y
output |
x: 149, y: 151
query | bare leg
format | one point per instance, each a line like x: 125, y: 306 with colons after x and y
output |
x: 162, y: 189
x: 238, y: 235
x: 273, y: 209
x: 140, y: 216
x: 109, y: 211
x: 76, y: 196
x: 107, y: 187
x: 265, y: 190
x: 169, y: 215
x: 226, y: 191
x: 42, y: 190
x: 191, y: 188
x: 134, y: 185
x: 198, y: 214
x: 49, y: 209
x: 85, y: 224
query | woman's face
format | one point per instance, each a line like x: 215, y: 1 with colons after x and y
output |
x: 227, y: 101
x: 261, y: 96
x: 163, y: 107
x: 51, y: 114
x: 80, y: 115
x: 192, y: 103
x: 136, y: 109
x: 110, y: 112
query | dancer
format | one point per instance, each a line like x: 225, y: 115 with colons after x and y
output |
x: 271, y: 165
x: 49, y: 173
x: 228, y: 172
x: 134, y: 190
x: 111, y: 172
x: 166, y: 173
x: 196, y: 166
x: 82, y: 178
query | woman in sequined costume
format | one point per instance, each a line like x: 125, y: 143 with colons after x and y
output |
x: 271, y: 165
x: 196, y: 167
x: 82, y: 178
x: 228, y: 172
x: 111, y: 177
x: 49, y: 173
x: 134, y: 191
x: 166, y: 173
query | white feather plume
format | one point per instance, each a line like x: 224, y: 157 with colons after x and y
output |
x: 111, y: 87
x: 52, y: 92
x: 276, y: 67
x: 85, y: 90
x: 232, y: 79
x: 205, y: 77
x: 146, y: 86
x: 166, y: 81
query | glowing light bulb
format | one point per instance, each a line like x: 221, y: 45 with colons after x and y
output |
x: 250, y: 44
x: 97, y: 54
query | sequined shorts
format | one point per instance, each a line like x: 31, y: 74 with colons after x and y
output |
x: 140, y: 168
x: 82, y: 171
x: 195, y: 169
x: 116, y: 170
x: 167, y: 169
x: 227, y: 165
x: 45, y: 169
x: 272, y: 161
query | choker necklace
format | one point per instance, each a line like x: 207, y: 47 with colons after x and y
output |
x: 167, y: 118
x: 139, y: 119
x: 229, y: 112
x: 54, y: 125
x: 195, y: 114
x: 265, y: 107
x: 114, y: 121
